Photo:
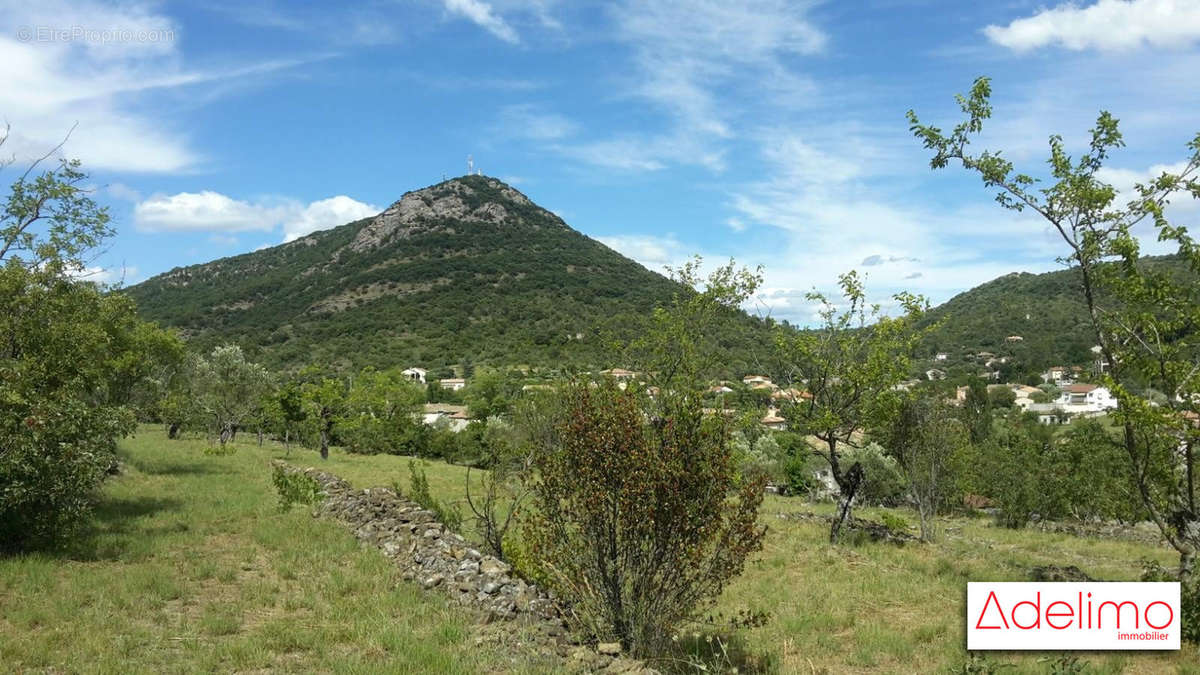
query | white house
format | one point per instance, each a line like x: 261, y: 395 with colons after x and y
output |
x: 1086, y: 399
x: 941, y: 356
x: 1057, y: 375
x: 935, y: 374
x: 455, y: 416
x: 452, y: 383
x: 751, y: 380
x: 415, y: 374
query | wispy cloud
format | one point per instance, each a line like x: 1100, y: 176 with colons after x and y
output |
x: 482, y: 14
x: 92, y: 63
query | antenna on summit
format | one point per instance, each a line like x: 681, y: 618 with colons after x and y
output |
x: 470, y: 165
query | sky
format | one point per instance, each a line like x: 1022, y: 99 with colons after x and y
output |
x: 769, y: 131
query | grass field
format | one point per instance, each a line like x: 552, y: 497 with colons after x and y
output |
x: 191, y: 567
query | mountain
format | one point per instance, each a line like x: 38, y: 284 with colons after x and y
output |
x: 467, y: 270
x: 1046, y: 311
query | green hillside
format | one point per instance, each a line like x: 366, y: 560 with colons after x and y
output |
x: 1045, y: 310
x: 466, y: 270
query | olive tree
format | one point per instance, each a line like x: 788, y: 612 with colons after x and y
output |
x: 228, y: 390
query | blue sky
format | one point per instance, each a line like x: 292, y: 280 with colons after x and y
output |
x: 769, y: 131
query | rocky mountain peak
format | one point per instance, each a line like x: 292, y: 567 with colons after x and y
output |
x: 480, y: 199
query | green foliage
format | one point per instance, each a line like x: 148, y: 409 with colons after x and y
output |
x: 682, y: 345
x: 228, y: 390
x: 884, y: 484
x: 894, y: 522
x: 295, y: 488
x: 640, y: 526
x: 491, y: 393
x: 1001, y: 398
x: 75, y: 364
x: 379, y: 414
x: 849, y: 365
x: 446, y: 514
x: 930, y: 446
x: 977, y: 411
x: 530, y: 290
x: 1141, y: 315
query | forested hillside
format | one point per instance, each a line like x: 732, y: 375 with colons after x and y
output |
x: 469, y: 270
x: 1045, y: 310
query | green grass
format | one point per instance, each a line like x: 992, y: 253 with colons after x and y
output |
x: 871, y: 607
x: 190, y: 567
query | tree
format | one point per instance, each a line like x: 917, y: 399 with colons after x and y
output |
x: 848, y: 364
x: 1143, y: 317
x: 676, y: 350
x: 1002, y: 397
x: 926, y: 439
x: 490, y: 394
x: 639, y: 525
x: 324, y: 402
x: 73, y: 361
x: 228, y: 390
x: 380, y: 413
x: 977, y: 410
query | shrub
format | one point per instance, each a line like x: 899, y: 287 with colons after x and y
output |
x: 884, y: 484
x: 640, y: 525
x: 295, y: 488
x: 448, y: 515
x: 894, y: 522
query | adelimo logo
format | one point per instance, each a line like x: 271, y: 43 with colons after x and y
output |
x: 1059, y: 616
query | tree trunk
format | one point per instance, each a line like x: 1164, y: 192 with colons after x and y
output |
x: 173, y: 430
x: 260, y: 438
x: 324, y: 444
x: 848, y: 486
x: 226, y: 434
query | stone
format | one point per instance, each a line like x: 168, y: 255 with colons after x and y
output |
x: 491, y: 587
x: 609, y: 648
x: 493, y: 567
x: 433, y: 581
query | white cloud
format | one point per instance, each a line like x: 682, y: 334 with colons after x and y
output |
x: 1109, y: 25
x: 482, y: 14
x: 205, y: 211
x: 91, y: 63
x: 214, y: 212
x: 326, y: 213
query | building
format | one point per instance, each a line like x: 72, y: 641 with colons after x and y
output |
x: 619, y: 374
x: 751, y: 380
x: 941, y: 356
x: 719, y: 389
x: 1014, y: 338
x: 415, y: 374
x: 934, y: 374
x: 773, y: 421
x: 452, y: 383
x: 1057, y: 375
x: 455, y: 417
x: 1086, y: 399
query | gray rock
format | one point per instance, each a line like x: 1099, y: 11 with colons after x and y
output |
x: 609, y: 648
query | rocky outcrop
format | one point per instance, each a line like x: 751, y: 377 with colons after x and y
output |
x: 419, y: 209
x: 444, y: 562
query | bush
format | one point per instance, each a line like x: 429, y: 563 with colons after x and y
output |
x: 450, y: 516
x: 71, y: 360
x: 638, y: 525
x: 295, y: 488
x: 884, y: 484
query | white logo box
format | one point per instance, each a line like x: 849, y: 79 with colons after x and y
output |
x: 1066, y: 616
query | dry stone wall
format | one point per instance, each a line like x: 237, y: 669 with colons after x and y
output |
x: 443, y: 561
